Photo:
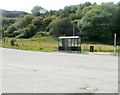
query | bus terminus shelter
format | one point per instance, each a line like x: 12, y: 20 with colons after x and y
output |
x: 69, y: 43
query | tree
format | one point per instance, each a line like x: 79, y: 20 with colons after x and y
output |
x: 38, y: 22
x: 64, y: 13
x: 114, y: 10
x: 46, y: 22
x: 87, y: 4
x: 60, y: 27
x: 96, y: 25
x: 29, y: 31
x: 97, y: 22
x: 52, y: 12
x: 88, y: 8
x: 7, y: 22
x: 37, y: 10
x: 10, y: 30
x: 118, y: 23
x: 25, y: 21
x: 79, y: 13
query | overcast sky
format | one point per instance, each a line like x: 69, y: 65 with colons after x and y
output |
x: 27, y: 5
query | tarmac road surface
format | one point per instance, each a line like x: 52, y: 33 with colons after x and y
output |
x: 42, y: 72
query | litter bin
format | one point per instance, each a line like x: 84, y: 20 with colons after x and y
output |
x: 91, y: 48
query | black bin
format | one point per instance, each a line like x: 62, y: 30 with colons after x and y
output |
x: 91, y: 48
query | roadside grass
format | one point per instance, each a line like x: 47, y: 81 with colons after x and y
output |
x: 43, y: 44
x: 99, y: 48
x: 50, y: 44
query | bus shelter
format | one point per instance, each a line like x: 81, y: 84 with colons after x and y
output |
x: 69, y: 43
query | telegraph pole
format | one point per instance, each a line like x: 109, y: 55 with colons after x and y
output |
x: 79, y: 30
x: 73, y: 31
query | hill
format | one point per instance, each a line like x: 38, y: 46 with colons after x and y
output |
x: 12, y: 14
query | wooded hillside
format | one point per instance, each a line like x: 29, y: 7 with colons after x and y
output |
x: 92, y: 22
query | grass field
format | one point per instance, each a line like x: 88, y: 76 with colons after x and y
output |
x: 44, y: 44
x: 50, y: 44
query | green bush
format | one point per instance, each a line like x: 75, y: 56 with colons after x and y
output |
x: 60, y: 27
x: 42, y: 33
x: 20, y: 36
x: 12, y: 42
x: 16, y: 33
x: 27, y: 32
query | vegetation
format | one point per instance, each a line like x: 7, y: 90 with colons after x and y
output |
x: 37, y: 11
x: 44, y: 44
x: 12, y: 14
x: 92, y: 22
x: 49, y: 44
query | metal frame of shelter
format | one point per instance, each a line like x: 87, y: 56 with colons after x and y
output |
x: 69, y: 43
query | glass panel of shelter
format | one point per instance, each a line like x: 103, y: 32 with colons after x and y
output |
x: 76, y: 42
x: 69, y: 42
x: 73, y: 42
x: 60, y: 42
x: 66, y: 43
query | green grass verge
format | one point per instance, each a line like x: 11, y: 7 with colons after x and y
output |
x: 50, y: 44
x: 43, y: 44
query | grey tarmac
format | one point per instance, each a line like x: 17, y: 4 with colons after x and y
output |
x: 43, y: 72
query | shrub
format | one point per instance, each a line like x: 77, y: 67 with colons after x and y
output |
x: 42, y: 33
x: 60, y: 27
x: 12, y: 42
x: 20, y: 36
x: 15, y: 33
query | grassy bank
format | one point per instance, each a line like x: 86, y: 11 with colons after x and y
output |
x: 99, y: 48
x: 44, y: 44
x: 49, y: 44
